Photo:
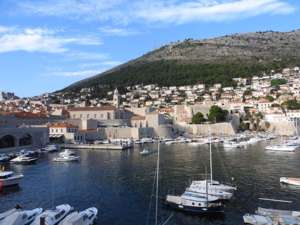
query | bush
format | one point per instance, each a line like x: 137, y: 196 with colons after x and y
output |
x: 198, y: 118
x: 277, y: 82
x: 217, y: 114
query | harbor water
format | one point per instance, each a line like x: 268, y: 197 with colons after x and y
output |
x: 120, y: 183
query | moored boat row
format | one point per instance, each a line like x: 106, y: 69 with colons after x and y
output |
x: 60, y: 215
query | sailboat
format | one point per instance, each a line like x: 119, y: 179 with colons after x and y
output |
x: 211, y: 184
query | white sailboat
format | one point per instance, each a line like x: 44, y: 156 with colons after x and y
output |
x: 213, y: 186
x: 86, y: 217
x: 52, y: 216
x: 21, y: 217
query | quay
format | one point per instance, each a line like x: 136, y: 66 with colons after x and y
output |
x: 97, y: 146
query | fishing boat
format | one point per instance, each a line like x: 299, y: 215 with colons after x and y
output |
x: 24, y: 159
x: 290, y: 180
x: 21, y: 217
x: 8, y: 178
x: 52, y: 216
x: 66, y: 156
x: 86, y: 217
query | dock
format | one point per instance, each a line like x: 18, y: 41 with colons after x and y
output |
x: 97, y: 146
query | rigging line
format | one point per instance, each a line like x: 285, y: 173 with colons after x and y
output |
x: 150, y: 203
x: 168, y: 219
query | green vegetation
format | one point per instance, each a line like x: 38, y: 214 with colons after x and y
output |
x: 277, y: 82
x: 291, y: 104
x: 171, y: 72
x: 270, y: 98
x: 198, y: 118
x: 217, y: 114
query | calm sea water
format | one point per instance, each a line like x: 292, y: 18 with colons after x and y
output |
x: 120, y: 184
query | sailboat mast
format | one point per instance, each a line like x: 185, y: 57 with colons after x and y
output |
x: 157, y: 179
x: 210, y: 156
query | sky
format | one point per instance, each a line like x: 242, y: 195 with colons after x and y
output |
x: 46, y: 45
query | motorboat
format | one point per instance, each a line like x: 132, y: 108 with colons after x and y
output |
x: 8, y: 178
x: 257, y: 219
x: 282, y: 148
x: 53, y: 216
x: 276, y: 212
x: 195, y: 203
x: 290, y: 180
x: 231, y: 144
x: 24, y: 159
x: 145, y: 152
x: 222, y: 195
x: 4, y: 158
x: 66, y: 156
x: 9, y: 212
x: 51, y: 148
x: 86, y: 217
x: 21, y: 217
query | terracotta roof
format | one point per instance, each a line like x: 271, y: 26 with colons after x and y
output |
x: 101, y: 108
x: 62, y: 125
x: 137, y: 117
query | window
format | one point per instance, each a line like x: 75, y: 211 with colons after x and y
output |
x: 61, y: 130
x: 95, y: 116
x: 108, y: 116
x: 80, y: 116
x: 88, y: 116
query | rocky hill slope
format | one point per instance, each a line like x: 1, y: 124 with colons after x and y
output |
x: 202, y: 61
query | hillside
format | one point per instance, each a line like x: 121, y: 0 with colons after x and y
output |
x: 202, y: 61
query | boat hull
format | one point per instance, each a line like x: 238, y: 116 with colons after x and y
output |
x: 290, y: 181
x: 196, y: 210
x: 11, y: 181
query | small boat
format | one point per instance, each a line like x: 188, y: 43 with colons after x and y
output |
x: 276, y: 212
x: 24, y: 159
x: 53, y: 216
x: 282, y: 148
x: 145, y: 152
x: 257, y: 220
x: 4, y: 158
x: 86, y: 217
x: 8, y: 178
x: 21, y: 217
x: 9, y: 212
x: 195, y: 203
x: 66, y: 156
x: 51, y: 148
x: 231, y: 144
x: 290, y: 180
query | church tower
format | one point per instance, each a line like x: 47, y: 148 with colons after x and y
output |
x: 116, y: 98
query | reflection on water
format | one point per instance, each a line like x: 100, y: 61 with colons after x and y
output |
x: 120, y: 184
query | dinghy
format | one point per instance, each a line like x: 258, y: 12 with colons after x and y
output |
x: 52, y: 216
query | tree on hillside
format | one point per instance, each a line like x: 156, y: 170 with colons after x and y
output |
x: 291, y: 104
x: 217, y: 114
x: 198, y: 118
x: 277, y: 82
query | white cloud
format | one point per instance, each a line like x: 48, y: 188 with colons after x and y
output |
x: 117, y: 31
x: 190, y: 11
x: 156, y: 11
x: 39, y: 40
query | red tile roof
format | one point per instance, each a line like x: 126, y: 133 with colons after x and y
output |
x: 62, y: 125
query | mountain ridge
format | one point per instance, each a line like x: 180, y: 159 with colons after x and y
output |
x: 208, y: 60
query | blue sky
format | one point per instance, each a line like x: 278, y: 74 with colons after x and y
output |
x: 46, y: 45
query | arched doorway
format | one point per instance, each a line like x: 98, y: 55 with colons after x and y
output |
x: 7, y: 141
x: 25, y: 140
